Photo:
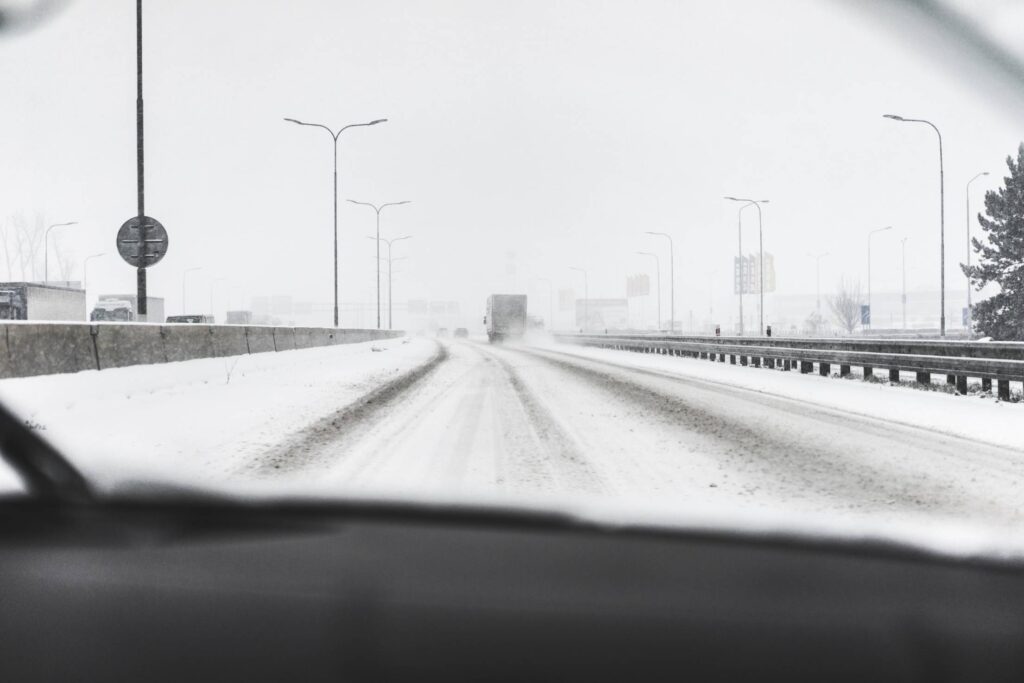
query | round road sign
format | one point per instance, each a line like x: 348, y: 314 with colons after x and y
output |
x: 137, y: 252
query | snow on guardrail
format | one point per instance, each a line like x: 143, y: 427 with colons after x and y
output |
x: 1002, y: 362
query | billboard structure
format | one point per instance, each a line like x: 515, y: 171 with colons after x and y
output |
x: 746, y: 277
x: 638, y: 285
x: 602, y: 314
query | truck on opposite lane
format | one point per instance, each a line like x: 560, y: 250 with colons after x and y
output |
x: 37, y: 301
x: 123, y: 308
x: 506, y: 317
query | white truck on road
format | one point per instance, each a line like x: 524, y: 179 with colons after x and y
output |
x: 506, y: 316
x: 122, y: 308
x: 37, y: 301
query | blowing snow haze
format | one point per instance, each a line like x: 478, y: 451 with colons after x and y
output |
x: 530, y: 137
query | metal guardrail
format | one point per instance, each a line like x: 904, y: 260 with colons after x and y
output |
x: 1002, y: 362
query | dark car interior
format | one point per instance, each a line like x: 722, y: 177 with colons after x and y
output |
x: 161, y: 586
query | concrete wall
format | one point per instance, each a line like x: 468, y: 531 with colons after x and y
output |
x: 28, y: 349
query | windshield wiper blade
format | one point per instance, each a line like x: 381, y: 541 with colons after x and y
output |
x: 46, y: 473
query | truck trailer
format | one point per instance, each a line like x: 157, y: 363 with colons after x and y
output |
x: 506, y: 316
x: 35, y: 301
x: 123, y: 308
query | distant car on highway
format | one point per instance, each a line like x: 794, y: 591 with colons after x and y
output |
x: 196, y: 319
x: 442, y: 332
x: 461, y: 333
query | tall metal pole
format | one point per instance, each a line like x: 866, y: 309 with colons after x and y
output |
x: 46, y: 248
x: 739, y: 239
x: 903, y: 269
x: 671, y: 280
x: 334, y: 137
x: 378, y: 209
x: 140, y: 272
x: 390, y: 264
x: 760, y: 233
x: 85, y: 270
x: 942, y: 220
x: 871, y: 311
x: 657, y: 271
x: 970, y: 312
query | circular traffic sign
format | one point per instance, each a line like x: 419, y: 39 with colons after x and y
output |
x: 138, y: 250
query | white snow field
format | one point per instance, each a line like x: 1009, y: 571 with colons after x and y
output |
x: 200, y: 419
x: 464, y: 419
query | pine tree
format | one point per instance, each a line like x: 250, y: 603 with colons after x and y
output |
x: 1001, y: 257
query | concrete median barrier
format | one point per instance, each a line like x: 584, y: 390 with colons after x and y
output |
x: 188, y: 342
x: 284, y: 338
x: 28, y: 349
x: 6, y: 370
x: 118, y: 346
x: 305, y: 337
x: 260, y: 339
x: 229, y: 340
x: 46, y: 349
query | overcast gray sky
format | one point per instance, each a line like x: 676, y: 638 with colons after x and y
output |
x: 554, y: 131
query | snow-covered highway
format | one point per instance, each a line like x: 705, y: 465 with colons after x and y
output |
x: 424, y: 416
x: 539, y: 420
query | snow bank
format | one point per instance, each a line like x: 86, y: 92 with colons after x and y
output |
x: 198, y: 420
x: 975, y: 417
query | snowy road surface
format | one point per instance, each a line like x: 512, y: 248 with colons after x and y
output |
x: 463, y: 417
x: 534, y: 420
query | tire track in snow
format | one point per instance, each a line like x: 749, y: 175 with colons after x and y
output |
x: 304, y: 448
x: 561, y: 450
x: 799, y: 450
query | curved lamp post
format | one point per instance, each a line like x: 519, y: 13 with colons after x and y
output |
x: 378, y: 209
x: 942, y: 220
x: 760, y: 239
x: 970, y: 311
x: 46, y: 248
x: 671, y: 280
x: 334, y: 137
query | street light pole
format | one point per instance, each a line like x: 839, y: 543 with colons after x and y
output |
x: 760, y: 239
x: 970, y: 311
x: 586, y: 298
x: 46, y: 248
x: 657, y: 271
x: 378, y: 209
x: 335, y: 136
x: 903, y: 269
x: 942, y: 221
x: 390, y: 261
x: 85, y: 270
x: 871, y: 312
x: 184, y: 277
x: 671, y: 280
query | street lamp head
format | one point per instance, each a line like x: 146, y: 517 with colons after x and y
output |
x: 983, y: 173
x: 749, y: 201
x: 894, y: 117
x: 295, y: 121
x: 376, y: 121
